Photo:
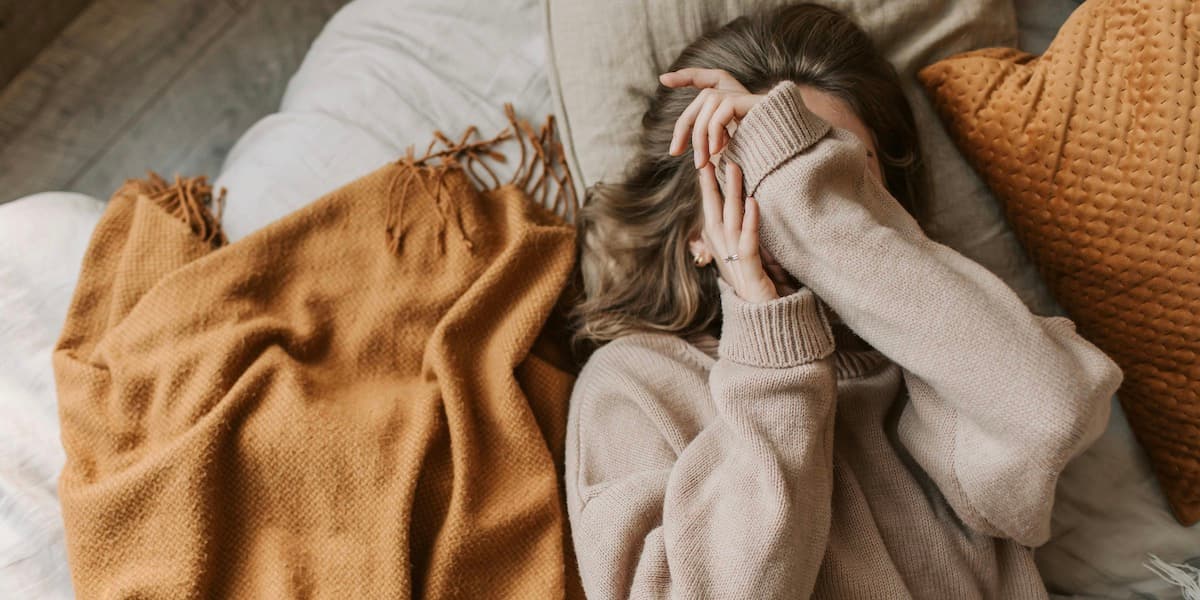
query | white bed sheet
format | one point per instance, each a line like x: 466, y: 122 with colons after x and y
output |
x: 383, y: 75
x: 42, y: 240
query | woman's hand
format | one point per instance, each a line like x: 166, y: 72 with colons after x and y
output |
x: 721, y: 101
x: 730, y: 230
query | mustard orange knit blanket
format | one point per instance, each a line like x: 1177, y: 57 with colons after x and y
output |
x: 365, y: 399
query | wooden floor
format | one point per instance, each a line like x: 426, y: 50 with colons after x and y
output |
x: 132, y: 85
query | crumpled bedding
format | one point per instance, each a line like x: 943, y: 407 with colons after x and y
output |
x: 42, y: 241
x: 362, y: 95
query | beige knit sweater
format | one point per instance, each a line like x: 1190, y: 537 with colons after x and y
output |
x: 796, y: 459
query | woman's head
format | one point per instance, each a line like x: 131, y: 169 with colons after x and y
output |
x: 637, y: 269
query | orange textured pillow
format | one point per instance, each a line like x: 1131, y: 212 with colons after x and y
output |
x: 1094, y: 150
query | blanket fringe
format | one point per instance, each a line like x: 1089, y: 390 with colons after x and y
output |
x: 189, y: 199
x: 1183, y: 575
x: 542, y: 164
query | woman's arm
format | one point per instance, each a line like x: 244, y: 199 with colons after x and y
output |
x: 1000, y: 399
x: 742, y: 509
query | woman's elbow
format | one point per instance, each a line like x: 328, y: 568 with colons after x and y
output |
x: 1087, y: 406
x: 1096, y: 389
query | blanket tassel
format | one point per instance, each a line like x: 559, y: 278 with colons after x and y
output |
x: 547, y: 161
x: 189, y: 199
x: 1183, y: 575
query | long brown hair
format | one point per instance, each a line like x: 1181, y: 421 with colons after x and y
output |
x: 636, y: 271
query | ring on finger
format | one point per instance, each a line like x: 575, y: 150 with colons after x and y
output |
x: 732, y: 257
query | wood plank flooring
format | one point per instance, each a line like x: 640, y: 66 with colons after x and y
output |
x: 26, y: 27
x: 132, y: 85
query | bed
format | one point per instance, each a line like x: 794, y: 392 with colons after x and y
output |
x: 364, y: 93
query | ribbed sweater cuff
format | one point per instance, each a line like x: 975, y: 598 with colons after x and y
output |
x: 758, y: 146
x: 784, y: 332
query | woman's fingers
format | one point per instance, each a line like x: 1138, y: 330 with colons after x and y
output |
x: 694, y: 77
x: 748, y: 243
x: 732, y: 217
x: 714, y: 234
x: 701, y: 78
x: 700, y: 130
x: 683, y: 124
x: 712, y: 201
x: 721, y: 101
x: 717, y: 134
x: 731, y: 227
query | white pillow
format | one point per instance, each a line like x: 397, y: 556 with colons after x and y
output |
x: 383, y: 75
x: 42, y: 241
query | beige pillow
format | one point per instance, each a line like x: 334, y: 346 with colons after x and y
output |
x: 605, y: 57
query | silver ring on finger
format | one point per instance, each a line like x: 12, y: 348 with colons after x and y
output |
x: 732, y: 257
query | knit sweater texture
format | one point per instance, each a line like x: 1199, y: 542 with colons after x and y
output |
x: 894, y: 429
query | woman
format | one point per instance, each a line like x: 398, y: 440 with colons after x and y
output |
x: 799, y: 394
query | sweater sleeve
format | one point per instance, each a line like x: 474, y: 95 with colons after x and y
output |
x: 999, y: 399
x: 662, y: 505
